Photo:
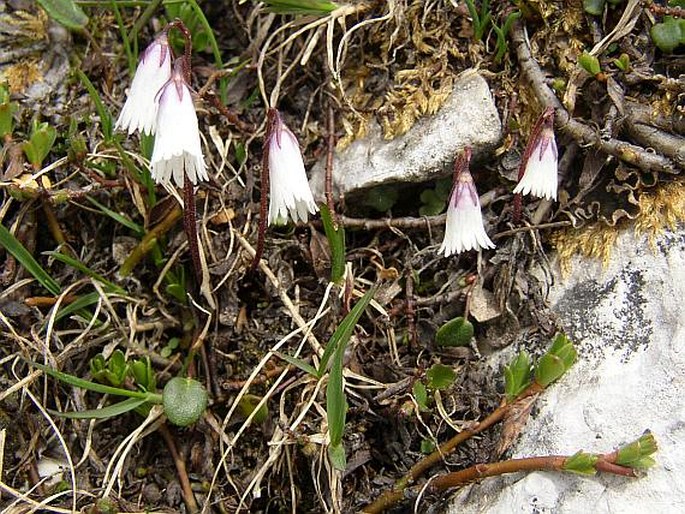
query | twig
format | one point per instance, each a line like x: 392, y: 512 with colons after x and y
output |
x: 541, y: 226
x: 546, y: 463
x: 188, y: 496
x: 396, y: 494
x: 409, y: 221
x: 584, y: 135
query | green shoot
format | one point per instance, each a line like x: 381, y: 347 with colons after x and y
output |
x: 336, y: 241
x: 481, y: 19
x: 315, y: 7
x: 65, y: 12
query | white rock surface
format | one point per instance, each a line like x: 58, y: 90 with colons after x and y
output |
x: 468, y: 117
x: 629, y: 324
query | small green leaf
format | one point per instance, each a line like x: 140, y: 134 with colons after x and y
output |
x: 638, y: 453
x: 248, y: 404
x: 421, y: 395
x: 590, y: 63
x: 594, y: 7
x: 143, y: 374
x: 669, y: 34
x: 456, y: 332
x: 65, y: 12
x: 558, y: 359
x: 517, y: 376
x: 440, y: 376
x: 427, y: 446
x: 40, y: 143
x: 581, y: 463
x: 320, y: 7
x: 623, y: 62
x: 104, y: 412
x: 185, y: 400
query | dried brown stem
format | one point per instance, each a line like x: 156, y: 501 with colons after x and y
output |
x: 581, y: 133
x: 188, y: 496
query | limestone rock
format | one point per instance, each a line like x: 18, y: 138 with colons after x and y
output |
x: 628, y: 322
x: 468, y: 117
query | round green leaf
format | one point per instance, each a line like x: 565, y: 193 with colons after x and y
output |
x: 456, y: 332
x: 185, y: 400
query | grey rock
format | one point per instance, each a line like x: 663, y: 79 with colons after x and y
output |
x: 628, y: 322
x: 468, y: 117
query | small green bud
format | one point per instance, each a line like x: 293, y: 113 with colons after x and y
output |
x: 517, y: 376
x: 558, y: 359
x: 184, y: 401
x: 38, y: 146
x: 248, y: 404
x: 623, y: 62
x: 590, y: 63
x: 638, y: 453
x: 581, y: 463
x: 456, y: 332
x: 142, y: 373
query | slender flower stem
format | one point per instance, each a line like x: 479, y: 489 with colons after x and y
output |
x: 329, y: 168
x: 190, y: 226
x: 264, y: 197
x: 188, y: 46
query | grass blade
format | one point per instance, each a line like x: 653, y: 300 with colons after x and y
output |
x: 65, y: 12
x: 105, y: 412
x: 298, y: 363
x: 13, y: 246
x: 103, y: 112
x: 344, y: 331
x: 78, y: 265
x: 79, y: 305
x: 119, y: 218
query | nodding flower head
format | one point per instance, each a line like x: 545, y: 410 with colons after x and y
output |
x: 153, y: 71
x: 177, y: 149
x: 464, y: 228
x: 289, y: 192
x: 538, y: 171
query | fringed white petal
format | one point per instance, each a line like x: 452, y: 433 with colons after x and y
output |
x: 289, y: 192
x: 153, y: 71
x: 540, y: 176
x: 177, y: 143
x: 464, y: 229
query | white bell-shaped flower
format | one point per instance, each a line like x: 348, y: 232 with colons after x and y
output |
x: 464, y: 228
x: 177, y: 142
x: 540, y: 168
x: 289, y: 192
x: 153, y: 71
